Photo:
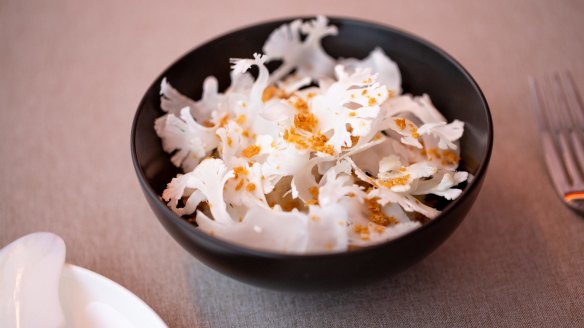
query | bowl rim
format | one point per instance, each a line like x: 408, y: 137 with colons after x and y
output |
x: 267, y: 254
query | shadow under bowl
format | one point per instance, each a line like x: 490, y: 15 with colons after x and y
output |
x: 424, y: 68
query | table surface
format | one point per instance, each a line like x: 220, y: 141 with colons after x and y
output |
x: 72, y: 74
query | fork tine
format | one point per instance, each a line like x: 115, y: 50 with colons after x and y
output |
x: 565, y: 128
x: 551, y: 154
x: 575, y: 105
x: 576, y: 112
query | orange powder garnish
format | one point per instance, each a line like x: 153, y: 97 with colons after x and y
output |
x: 208, y: 124
x: 313, y: 191
x: 318, y: 143
x: 250, y: 151
x: 379, y: 229
x: 250, y: 187
x: 450, y: 157
x: 229, y: 141
x: 292, y: 136
x: 399, y: 181
x: 401, y: 123
x: 271, y: 92
x: 414, y: 131
x: 376, y: 215
x: 358, y: 228
x: 241, y: 119
x: 364, y: 92
x: 352, y: 114
x: 224, y: 120
x: 300, y: 104
x: 362, y: 231
x: 239, y: 185
x: 372, y: 101
x: 312, y: 202
x: 305, y: 121
x: 433, y: 152
x: 310, y: 95
x: 245, y: 133
x: 239, y: 170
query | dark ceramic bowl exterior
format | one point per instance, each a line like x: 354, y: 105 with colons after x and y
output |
x: 424, y: 68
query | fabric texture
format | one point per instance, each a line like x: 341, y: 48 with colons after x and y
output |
x: 73, y: 73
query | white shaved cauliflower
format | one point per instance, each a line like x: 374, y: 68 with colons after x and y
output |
x: 320, y: 155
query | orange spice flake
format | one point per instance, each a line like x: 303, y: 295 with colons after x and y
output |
x: 433, y: 152
x: 401, y: 123
x: 399, y: 181
x: 305, y: 121
x: 314, y: 142
x: 376, y: 215
x: 208, y: 123
x: 312, y: 202
x: 271, y: 92
x: 245, y: 133
x: 363, y: 231
x: 250, y: 151
x: 379, y: 229
x: 358, y: 228
x: 310, y: 95
x: 300, y: 104
x: 372, y: 101
x: 239, y: 170
x: 352, y: 114
x: 364, y: 92
x: 313, y: 191
x: 318, y: 143
x: 414, y: 131
x: 250, y: 187
x: 239, y: 185
x: 292, y: 136
x: 223, y: 121
x: 229, y: 141
x: 241, y: 119
x: 450, y: 157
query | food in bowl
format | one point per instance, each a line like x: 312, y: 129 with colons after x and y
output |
x: 319, y: 155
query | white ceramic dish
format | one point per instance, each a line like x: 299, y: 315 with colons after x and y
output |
x: 91, y: 300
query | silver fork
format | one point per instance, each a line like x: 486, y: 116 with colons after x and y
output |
x: 560, y: 115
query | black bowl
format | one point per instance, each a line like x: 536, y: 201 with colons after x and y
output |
x: 424, y: 68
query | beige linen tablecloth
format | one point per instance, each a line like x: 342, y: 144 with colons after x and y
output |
x: 72, y: 74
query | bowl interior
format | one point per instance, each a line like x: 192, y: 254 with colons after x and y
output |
x: 424, y: 69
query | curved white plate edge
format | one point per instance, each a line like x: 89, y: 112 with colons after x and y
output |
x: 77, y: 271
